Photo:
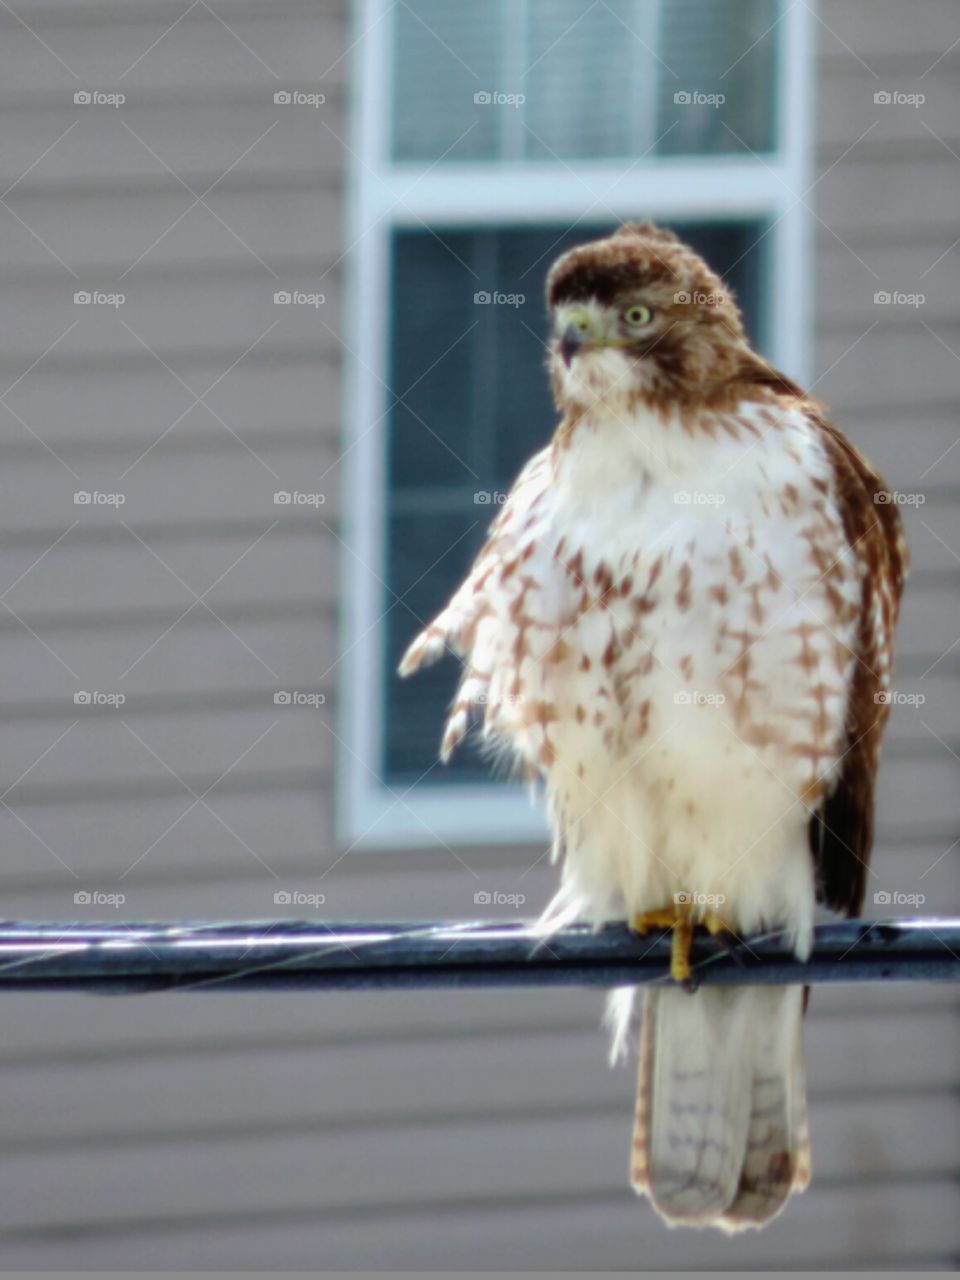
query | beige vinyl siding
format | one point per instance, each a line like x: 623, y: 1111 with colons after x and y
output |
x: 415, y: 1130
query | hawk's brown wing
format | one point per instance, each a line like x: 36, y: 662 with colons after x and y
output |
x: 841, y: 832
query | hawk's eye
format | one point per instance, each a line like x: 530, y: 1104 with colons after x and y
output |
x: 638, y: 314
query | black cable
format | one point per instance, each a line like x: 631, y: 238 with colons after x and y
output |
x: 283, y: 955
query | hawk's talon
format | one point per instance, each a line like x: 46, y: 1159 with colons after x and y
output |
x: 679, y: 920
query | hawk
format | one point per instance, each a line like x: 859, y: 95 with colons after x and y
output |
x: 683, y: 622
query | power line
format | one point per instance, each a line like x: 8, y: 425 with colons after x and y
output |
x: 119, y: 957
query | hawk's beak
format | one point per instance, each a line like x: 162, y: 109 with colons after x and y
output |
x: 574, y: 337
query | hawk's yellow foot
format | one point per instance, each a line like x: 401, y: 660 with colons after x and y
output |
x: 678, y: 919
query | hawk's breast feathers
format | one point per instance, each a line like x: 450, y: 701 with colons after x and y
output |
x: 673, y: 596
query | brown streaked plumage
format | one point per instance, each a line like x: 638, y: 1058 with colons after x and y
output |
x: 683, y: 622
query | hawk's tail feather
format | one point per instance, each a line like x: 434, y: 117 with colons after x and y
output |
x: 721, y: 1136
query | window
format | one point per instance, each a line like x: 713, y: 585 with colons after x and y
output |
x: 488, y: 139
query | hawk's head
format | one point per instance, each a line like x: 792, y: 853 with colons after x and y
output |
x: 640, y: 314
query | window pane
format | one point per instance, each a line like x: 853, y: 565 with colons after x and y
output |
x: 570, y: 79
x: 445, y: 51
x: 487, y: 404
x: 717, y: 91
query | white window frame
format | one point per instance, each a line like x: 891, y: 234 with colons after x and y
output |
x: 382, y: 196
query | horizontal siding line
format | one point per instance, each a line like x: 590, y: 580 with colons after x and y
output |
x: 324, y: 437
x: 254, y: 90
x: 879, y: 150
x: 943, y: 412
x: 307, y: 1126
x: 312, y: 1214
x: 832, y: 325
x: 240, y: 270
x: 497, y: 1114
x: 905, y: 235
x: 585, y: 1028
x: 123, y: 362
x: 293, y: 525
x: 44, y: 17
x: 128, y: 1053
x: 121, y: 185
x: 916, y: 665
x: 311, y: 607
x: 98, y: 791
x: 181, y: 702
x: 833, y: 59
